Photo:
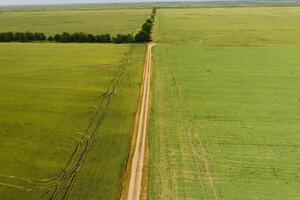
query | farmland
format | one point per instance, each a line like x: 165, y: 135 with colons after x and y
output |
x: 229, y: 26
x: 89, y: 21
x: 225, y: 104
x: 49, y: 95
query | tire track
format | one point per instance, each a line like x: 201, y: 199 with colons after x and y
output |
x: 92, y: 131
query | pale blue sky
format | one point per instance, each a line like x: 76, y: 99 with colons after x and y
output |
x: 28, y: 2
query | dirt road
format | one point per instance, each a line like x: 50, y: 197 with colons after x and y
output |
x: 134, y: 191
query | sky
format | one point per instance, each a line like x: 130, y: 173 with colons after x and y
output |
x: 30, y: 2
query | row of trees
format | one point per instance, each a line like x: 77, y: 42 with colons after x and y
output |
x: 90, y: 38
x: 144, y: 35
x: 80, y: 37
x: 69, y: 37
x: 22, y: 37
x: 153, y: 14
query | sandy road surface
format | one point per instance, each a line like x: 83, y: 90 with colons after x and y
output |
x: 135, y: 184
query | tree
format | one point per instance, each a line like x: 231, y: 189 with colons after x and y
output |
x: 147, y: 27
x: 65, y: 37
x: 105, y: 38
x: 91, y: 38
x: 56, y: 37
x: 50, y: 38
x: 153, y: 14
x: 7, y: 37
x: 39, y: 37
x: 120, y: 38
x: 28, y: 37
x: 142, y: 36
x: 19, y: 36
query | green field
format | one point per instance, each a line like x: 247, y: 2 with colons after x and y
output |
x: 226, y: 104
x: 66, y: 118
x: 229, y: 26
x: 89, y: 21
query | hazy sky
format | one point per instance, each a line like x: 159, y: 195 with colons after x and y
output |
x: 28, y: 2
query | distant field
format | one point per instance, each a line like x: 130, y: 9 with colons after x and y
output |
x: 88, y: 21
x: 226, y: 105
x: 230, y: 26
x: 49, y: 95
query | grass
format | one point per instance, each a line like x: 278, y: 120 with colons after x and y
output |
x: 89, y: 21
x: 229, y: 26
x: 49, y: 95
x: 225, y: 115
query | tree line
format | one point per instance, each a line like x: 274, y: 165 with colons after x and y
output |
x: 80, y: 37
x: 66, y: 37
x: 22, y: 37
x: 144, y: 35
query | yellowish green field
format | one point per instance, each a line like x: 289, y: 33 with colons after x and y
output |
x: 226, y: 104
x: 89, y: 21
x: 66, y: 119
